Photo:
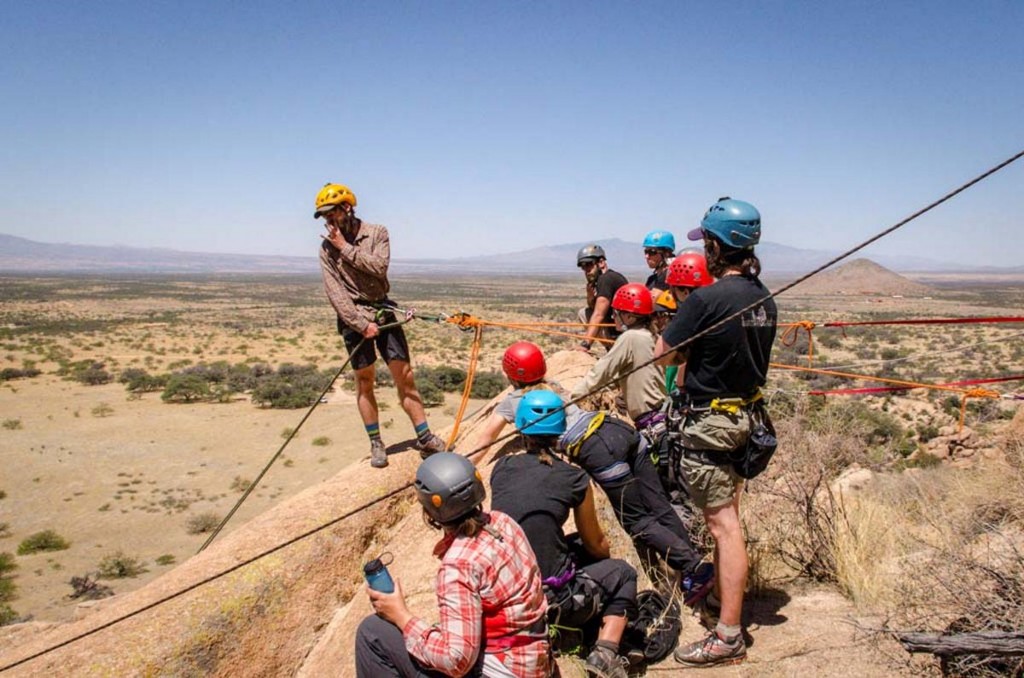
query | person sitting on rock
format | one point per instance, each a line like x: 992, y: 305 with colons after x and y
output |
x: 524, y: 365
x: 538, y: 490
x: 493, y: 611
x: 643, y: 389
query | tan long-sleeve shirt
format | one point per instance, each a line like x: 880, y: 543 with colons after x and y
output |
x: 357, y: 274
x: 644, y: 390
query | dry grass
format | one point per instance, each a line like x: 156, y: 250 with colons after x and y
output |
x: 938, y: 549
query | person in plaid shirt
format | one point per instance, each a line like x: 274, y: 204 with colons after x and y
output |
x: 493, y: 612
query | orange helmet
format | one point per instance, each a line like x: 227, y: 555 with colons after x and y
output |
x: 524, y: 362
x: 332, y: 195
x: 633, y: 298
x: 689, y: 269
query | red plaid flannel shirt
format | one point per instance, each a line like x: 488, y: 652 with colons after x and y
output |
x: 488, y: 590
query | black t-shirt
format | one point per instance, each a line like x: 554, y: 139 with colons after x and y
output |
x: 607, y: 285
x: 731, y: 361
x: 539, y: 498
x: 656, y: 281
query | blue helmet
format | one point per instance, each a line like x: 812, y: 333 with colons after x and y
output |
x: 734, y: 222
x: 661, y: 240
x: 541, y: 413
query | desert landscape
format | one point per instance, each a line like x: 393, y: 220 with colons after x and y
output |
x: 124, y: 462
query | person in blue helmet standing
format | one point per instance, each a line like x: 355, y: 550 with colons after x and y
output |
x: 725, y: 370
x: 659, y: 248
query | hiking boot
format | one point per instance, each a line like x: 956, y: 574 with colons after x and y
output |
x: 432, y: 444
x: 604, y: 663
x: 709, y: 613
x: 712, y: 650
x: 378, y: 453
x: 696, y: 585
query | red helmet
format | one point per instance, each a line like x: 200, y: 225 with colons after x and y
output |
x: 633, y: 298
x: 524, y: 362
x: 689, y: 269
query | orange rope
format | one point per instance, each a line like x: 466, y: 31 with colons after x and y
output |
x: 789, y: 337
x: 965, y: 393
x: 467, y: 321
x: 973, y: 393
x: 470, y: 373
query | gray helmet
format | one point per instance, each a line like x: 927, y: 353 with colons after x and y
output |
x: 589, y: 253
x: 449, y: 487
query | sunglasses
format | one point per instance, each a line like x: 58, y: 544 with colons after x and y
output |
x: 587, y: 265
x: 651, y: 251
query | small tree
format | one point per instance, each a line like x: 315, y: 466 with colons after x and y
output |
x: 185, y: 388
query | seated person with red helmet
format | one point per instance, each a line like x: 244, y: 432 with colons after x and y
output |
x: 525, y: 367
x: 493, y: 611
x: 538, y: 490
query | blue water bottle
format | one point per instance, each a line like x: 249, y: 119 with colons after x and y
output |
x: 377, y: 576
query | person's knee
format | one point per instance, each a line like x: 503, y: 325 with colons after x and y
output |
x: 365, y: 379
x: 401, y: 372
x: 723, y: 522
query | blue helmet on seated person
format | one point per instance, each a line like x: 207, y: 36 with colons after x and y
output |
x: 541, y: 413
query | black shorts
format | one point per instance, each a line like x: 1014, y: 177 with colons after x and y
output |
x: 390, y: 343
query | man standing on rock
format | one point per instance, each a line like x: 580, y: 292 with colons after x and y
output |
x: 354, y: 259
x: 728, y: 329
x: 602, y: 284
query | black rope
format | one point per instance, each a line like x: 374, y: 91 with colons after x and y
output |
x: 254, y: 483
x: 400, y: 489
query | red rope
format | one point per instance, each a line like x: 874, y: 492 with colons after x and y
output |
x: 895, y: 389
x: 930, y: 321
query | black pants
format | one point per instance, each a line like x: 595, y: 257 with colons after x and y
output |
x: 638, y: 498
x: 604, y: 588
x: 380, y: 651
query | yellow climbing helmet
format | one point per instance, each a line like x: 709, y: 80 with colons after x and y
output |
x: 332, y: 195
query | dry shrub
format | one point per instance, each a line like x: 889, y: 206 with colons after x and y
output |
x: 791, y: 515
x: 966, y: 570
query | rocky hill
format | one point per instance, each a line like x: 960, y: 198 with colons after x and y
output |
x: 295, y: 612
x: 862, y: 277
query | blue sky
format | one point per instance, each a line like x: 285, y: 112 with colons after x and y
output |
x: 490, y: 127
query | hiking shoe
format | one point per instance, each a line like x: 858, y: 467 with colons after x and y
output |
x: 712, y: 650
x: 696, y: 585
x: 604, y: 663
x: 432, y: 444
x: 709, y: 614
x: 378, y: 453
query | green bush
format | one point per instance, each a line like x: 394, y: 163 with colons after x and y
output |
x: 118, y: 566
x: 12, y: 424
x: 487, y: 385
x: 166, y: 559
x: 9, y: 373
x: 137, y: 380
x: 86, y: 372
x: 47, y: 540
x: 202, y: 523
x: 321, y: 441
x: 431, y: 394
x: 185, y: 388
x: 7, y: 563
x: 290, y: 387
x: 7, y: 614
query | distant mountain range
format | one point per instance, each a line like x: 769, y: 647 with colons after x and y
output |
x: 20, y: 255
